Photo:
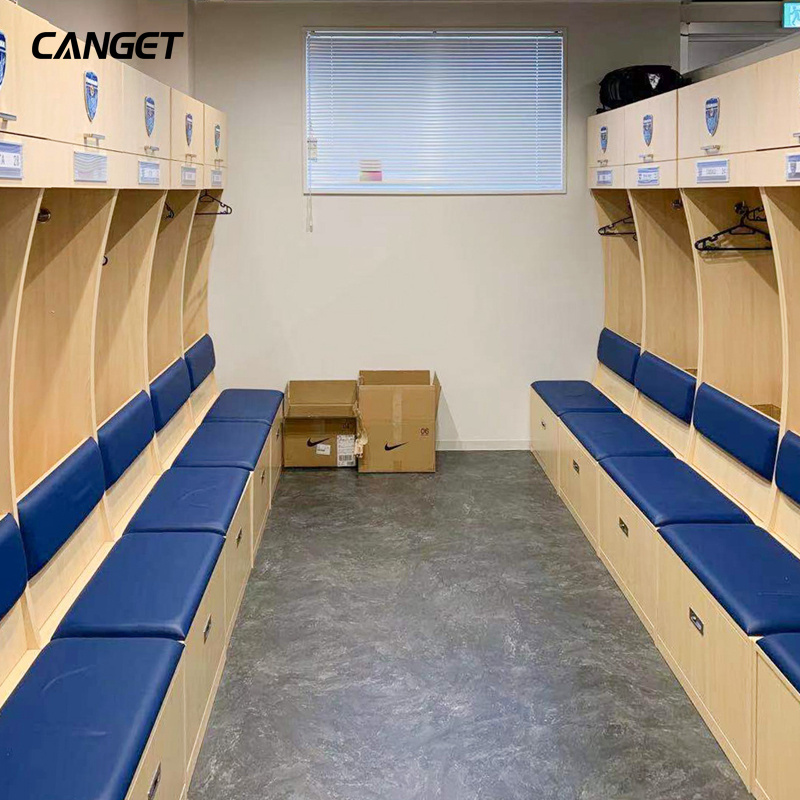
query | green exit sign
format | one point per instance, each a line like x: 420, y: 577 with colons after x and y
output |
x: 791, y: 15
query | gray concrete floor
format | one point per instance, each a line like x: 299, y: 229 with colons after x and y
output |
x: 450, y: 636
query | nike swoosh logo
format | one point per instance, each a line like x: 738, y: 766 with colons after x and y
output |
x: 389, y: 448
x: 309, y: 443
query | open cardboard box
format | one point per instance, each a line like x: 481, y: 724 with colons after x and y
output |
x: 397, y: 420
x: 319, y: 429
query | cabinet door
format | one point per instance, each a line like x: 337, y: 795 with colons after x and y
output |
x: 651, y: 129
x: 146, y: 114
x: 777, y: 118
x: 216, y: 137
x: 716, y: 115
x: 9, y: 68
x: 606, y: 139
x: 187, y: 135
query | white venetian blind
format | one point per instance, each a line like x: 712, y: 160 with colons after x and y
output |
x: 434, y: 111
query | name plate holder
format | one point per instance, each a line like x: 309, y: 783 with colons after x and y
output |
x: 11, y: 161
x: 90, y: 168
x: 648, y: 176
x: 605, y: 177
x: 717, y: 170
x: 188, y: 176
x: 149, y: 173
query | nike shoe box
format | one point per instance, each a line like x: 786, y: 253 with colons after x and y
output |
x: 319, y: 428
x: 397, y: 421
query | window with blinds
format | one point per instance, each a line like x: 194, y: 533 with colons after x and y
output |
x: 434, y: 112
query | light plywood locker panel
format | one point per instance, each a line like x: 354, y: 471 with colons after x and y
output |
x: 195, y: 286
x: 187, y: 134
x: 54, y: 362
x: 777, y: 116
x: 731, y: 98
x: 11, y: 86
x: 121, y: 335
x: 544, y: 437
x: 143, y: 97
x: 651, y: 129
x: 216, y: 137
x: 165, y: 307
x: 623, y: 277
x: 18, y: 211
x: 606, y: 139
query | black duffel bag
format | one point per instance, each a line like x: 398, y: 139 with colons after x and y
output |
x: 630, y: 84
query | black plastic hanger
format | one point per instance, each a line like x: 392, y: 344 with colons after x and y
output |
x: 225, y: 209
x: 747, y: 215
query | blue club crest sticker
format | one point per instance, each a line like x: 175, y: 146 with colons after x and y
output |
x: 217, y: 137
x: 189, y: 128
x: 647, y: 128
x: 604, y: 138
x: 149, y: 115
x: 91, y: 88
x: 712, y: 115
x: 2, y: 58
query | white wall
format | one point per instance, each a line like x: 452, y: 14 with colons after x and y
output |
x: 492, y: 292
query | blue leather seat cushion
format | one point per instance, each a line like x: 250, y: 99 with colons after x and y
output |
x: 55, y: 508
x: 668, y: 491
x: 787, y: 471
x: 253, y: 405
x: 149, y: 585
x: 13, y: 568
x: 618, y: 354
x: 565, y: 396
x: 738, y: 429
x: 605, y: 435
x: 169, y: 391
x: 125, y: 436
x: 200, y: 360
x: 750, y: 574
x: 784, y: 651
x: 76, y: 725
x: 670, y: 387
x: 191, y: 499
x: 225, y: 444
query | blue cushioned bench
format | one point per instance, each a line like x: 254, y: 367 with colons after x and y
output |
x: 224, y: 444
x: 612, y: 434
x: 783, y: 650
x: 123, y: 438
x: 169, y: 392
x: 614, y: 352
x: 666, y: 385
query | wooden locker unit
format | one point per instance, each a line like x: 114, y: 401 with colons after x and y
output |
x: 578, y: 477
x: 187, y: 147
x: 651, y: 129
x: 195, y: 285
x: 777, y: 102
x: 544, y: 437
x: 238, y: 555
x: 54, y: 362
x: 215, y: 146
x: 606, y: 139
x: 18, y: 212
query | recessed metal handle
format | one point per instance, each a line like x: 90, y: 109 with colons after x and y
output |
x: 152, y: 149
x: 576, y: 466
x: 623, y: 526
x: 155, y: 783
x: 696, y: 621
x: 239, y: 536
x: 207, y: 629
x: 98, y: 137
x: 646, y: 156
x: 6, y: 117
x: 710, y: 148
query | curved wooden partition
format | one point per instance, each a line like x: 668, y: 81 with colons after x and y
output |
x: 742, y: 339
x: 18, y: 212
x: 165, y: 306
x: 53, y: 408
x: 121, y: 334
x: 623, y: 276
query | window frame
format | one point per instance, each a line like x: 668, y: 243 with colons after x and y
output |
x: 560, y: 29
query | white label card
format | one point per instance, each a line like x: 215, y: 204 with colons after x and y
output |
x: 10, y: 161
x: 346, y: 451
x: 216, y: 178
x: 793, y: 168
x: 90, y: 168
x: 716, y: 171
x: 605, y: 177
x: 648, y: 176
x: 149, y: 173
x: 188, y: 176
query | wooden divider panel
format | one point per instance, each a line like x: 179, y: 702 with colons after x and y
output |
x: 671, y: 327
x: 18, y: 211
x: 742, y: 340
x: 54, y: 361
x: 195, y: 286
x: 623, y: 277
x: 121, y: 335
x: 165, y: 307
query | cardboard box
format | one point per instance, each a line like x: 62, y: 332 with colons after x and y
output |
x: 319, y: 429
x: 397, y: 420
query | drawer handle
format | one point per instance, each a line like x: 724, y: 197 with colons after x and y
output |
x: 576, y: 466
x: 207, y: 629
x: 710, y: 148
x: 543, y: 424
x: 191, y: 156
x: 622, y: 526
x: 151, y: 149
x: 646, y: 156
x: 98, y: 137
x: 696, y: 621
x: 156, y: 782
x: 796, y: 135
x: 6, y: 117
x: 218, y: 161
x: 239, y: 536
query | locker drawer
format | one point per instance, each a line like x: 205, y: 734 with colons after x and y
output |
x: 216, y: 137
x: 777, y: 114
x: 187, y: 135
x: 651, y: 129
x: 238, y: 555
x: 652, y: 175
x: 262, y: 487
x: 607, y: 177
x: 606, y: 139
x: 544, y: 437
x: 276, y: 452
x: 146, y: 115
x: 578, y: 477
